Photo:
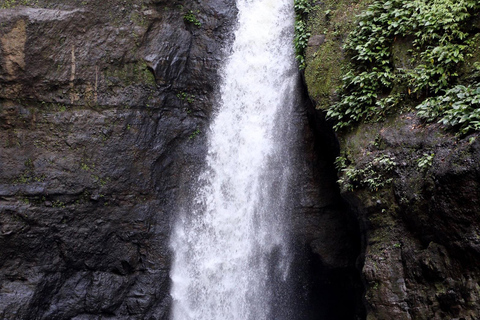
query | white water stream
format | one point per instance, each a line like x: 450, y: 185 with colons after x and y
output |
x: 230, y: 245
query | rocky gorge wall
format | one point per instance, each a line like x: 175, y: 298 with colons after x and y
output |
x: 413, y: 184
x: 103, y: 110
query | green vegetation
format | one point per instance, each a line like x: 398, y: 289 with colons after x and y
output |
x: 58, y: 204
x: 326, y: 65
x: 374, y: 84
x: 52, y: 107
x: 458, y: 108
x: 425, y: 161
x: 189, y: 98
x: 130, y: 74
x: 374, y: 175
x: 28, y: 175
x: 101, y: 181
x: 191, y: 18
x: 331, y: 21
x: 9, y: 4
x: 302, y: 34
x: 194, y: 134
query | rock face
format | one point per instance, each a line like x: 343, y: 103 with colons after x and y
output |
x: 103, y: 105
x: 103, y: 109
x: 326, y: 233
x: 421, y: 244
x: 414, y: 188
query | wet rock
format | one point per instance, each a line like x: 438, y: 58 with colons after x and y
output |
x: 96, y: 150
x: 420, y: 247
x: 316, y: 41
x: 99, y: 101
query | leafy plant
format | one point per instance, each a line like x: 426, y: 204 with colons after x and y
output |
x: 191, y: 18
x: 302, y: 6
x: 194, y: 134
x: 189, y: 98
x: 340, y: 163
x: 302, y: 33
x: 458, y: 108
x: 58, y: 204
x: 85, y: 167
x: 440, y: 41
x: 374, y: 175
x: 425, y: 161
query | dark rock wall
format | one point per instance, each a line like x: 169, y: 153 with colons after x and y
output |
x: 419, y: 220
x: 103, y: 107
x: 421, y: 249
x: 103, y: 114
x: 327, y: 234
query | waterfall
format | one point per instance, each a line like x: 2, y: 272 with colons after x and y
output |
x: 231, y: 244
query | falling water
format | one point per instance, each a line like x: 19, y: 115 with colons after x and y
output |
x: 231, y: 253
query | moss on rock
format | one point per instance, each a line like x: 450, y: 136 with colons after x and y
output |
x: 420, y: 231
x: 325, y: 61
x: 325, y: 64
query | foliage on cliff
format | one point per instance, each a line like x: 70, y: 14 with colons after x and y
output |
x: 302, y: 34
x: 441, y: 40
x: 392, y: 79
x: 435, y: 38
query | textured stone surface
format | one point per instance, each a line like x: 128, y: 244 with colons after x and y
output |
x: 103, y: 106
x: 421, y: 249
x: 325, y: 230
x: 103, y: 110
x: 420, y: 253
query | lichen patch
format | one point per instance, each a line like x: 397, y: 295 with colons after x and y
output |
x: 13, y: 48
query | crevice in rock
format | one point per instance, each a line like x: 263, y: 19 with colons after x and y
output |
x: 336, y: 255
